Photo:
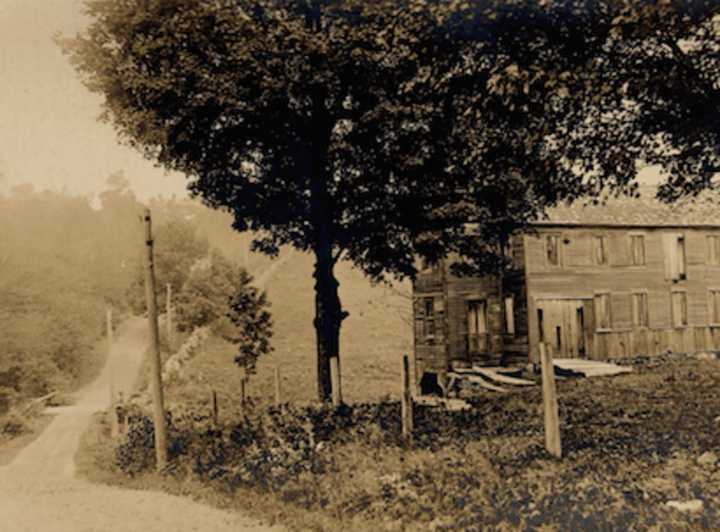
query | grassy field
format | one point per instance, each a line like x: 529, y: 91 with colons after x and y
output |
x: 373, y: 339
x: 631, y: 443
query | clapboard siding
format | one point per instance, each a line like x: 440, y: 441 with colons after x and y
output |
x: 581, y: 277
x: 532, y: 281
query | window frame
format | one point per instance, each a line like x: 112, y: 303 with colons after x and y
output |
x: 641, y: 235
x: 601, y: 245
x: 608, y: 306
x: 712, y: 251
x: 684, y: 309
x: 558, y: 249
x: 713, y: 309
x: 643, y: 296
x: 469, y: 304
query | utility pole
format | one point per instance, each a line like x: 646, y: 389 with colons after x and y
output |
x: 154, y: 351
x: 114, y: 429
x: 169, y: 317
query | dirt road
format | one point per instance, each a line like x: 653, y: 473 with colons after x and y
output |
x: 39, y: 491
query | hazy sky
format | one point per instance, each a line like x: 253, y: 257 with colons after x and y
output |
x: 49, y: 135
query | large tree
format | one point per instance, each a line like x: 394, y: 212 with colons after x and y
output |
x: 376, y: 130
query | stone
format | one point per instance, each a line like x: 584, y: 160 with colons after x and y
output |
x: 707, y: 459
x: 691, y: 506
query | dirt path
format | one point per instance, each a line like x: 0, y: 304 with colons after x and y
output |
x: 39, y: 491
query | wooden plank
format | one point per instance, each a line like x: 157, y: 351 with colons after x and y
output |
x: 550, y: 406
x: 503, y: 379
x: 479, y: 381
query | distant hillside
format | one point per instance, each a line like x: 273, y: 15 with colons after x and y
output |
x: 373, y: 340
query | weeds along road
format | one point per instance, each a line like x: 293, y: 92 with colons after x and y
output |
x: 39, y: 491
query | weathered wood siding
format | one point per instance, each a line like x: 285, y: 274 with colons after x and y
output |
x: 579, y: 276
x: 461, y: 290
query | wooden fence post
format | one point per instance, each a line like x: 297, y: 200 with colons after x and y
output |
x: 550, y: 406
x: 406, y: 402
x: 278, y: 397
x: 242, y: 393
x: 335, y: 381
x: 215, y: 411
x: 154, y: 348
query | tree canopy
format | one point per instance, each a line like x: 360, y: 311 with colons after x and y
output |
x: 377, y: 130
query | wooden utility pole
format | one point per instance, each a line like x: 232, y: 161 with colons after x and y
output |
x: 550, y: 405
x: 335, y: 381
x: 169, y: 317
x: 406, y: 410
x: 154, y: 350
x: 114, y: 428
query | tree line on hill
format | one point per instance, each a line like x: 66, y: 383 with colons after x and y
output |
x: 64, y: 258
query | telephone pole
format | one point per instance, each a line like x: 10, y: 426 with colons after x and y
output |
x: 154, y: 351
x: 114, y: 429
x: 169, y: 316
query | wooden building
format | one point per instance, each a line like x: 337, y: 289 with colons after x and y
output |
x: 629, y: 278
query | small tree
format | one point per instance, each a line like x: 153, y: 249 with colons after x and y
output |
x: 222, y: 296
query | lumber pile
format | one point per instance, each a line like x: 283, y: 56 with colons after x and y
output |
x: 577, y: 367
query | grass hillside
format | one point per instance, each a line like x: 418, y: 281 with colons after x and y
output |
x: 373, y: 339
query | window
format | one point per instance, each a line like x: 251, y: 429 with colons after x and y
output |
x: 509, y: 315
x: 602, y: 311
x: 541, y: 325
x: 679, y: 309
x: 640, y: 310
x: 713, y: 250
x: 674, y: 248
x: 637, y: 249
x: 425, y: 320
x: 714, y: 305
x: 600, y: 249
x: 552, y: 250
x: 477, y: 326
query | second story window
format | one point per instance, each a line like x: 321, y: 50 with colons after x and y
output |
x: 674, y: 251
x: 713, y: 250
x: 602, y: 311
x: 477, y: 326
x: 640, y: 316
x: 679, y: 308
x: 552, y: 250
x: 600, y: 249
x: 637, y: 250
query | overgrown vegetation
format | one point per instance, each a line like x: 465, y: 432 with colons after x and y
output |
x: 631, y: 443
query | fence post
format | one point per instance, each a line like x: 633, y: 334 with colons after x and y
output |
x: 242, y: 394
x: 215, y: 411
x: 335, y: 381
x: 406, y: 402
x: 278, y: 397
x: 550, y: 406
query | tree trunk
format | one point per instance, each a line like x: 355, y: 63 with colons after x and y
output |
x: 328, y: 318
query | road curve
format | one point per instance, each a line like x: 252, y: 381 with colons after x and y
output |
x: 39, y: 491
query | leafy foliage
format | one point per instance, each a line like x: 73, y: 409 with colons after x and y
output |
x: 378, y: 130
x: 630, y: 444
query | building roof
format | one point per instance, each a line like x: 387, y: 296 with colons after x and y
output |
x: 645, y: 211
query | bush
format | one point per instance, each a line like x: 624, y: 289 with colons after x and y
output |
x: 13, y: 424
